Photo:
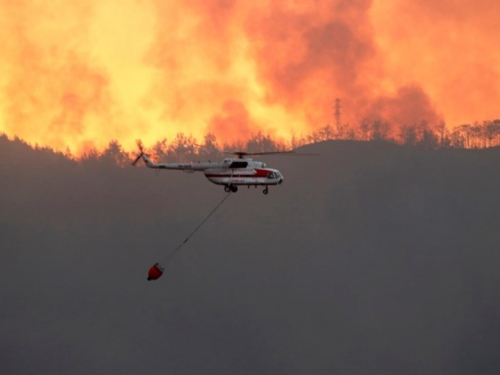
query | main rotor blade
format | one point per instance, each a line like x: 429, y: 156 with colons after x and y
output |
x: 270, y: 153
x: 243, y: 153
x: 240, y: 154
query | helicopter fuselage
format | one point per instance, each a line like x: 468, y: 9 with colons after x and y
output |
x: 244, y: 176
x: 234, y: 172
x: 231, y: 172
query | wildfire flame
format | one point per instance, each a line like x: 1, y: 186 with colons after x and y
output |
x: 79, y: 74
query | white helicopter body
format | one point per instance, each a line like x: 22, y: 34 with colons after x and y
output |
x: 231, y: 172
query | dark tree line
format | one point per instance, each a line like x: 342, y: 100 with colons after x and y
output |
x: 187, y: 148
x: 477, y: 135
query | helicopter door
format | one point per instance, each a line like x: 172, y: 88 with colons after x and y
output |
x: 237, y: 164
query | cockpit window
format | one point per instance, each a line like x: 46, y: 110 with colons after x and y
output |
x: 238, y: 164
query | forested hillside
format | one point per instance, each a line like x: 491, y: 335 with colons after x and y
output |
x: 370, y: 258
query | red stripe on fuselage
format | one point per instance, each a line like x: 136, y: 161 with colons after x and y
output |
x: 258, y: 173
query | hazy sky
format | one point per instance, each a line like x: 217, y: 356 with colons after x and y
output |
x: 84, y: 72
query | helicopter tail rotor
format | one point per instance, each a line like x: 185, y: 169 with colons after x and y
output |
x: 136, y: 160
x: 142, y: 154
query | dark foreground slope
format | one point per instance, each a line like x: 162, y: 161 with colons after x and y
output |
x: 369, y: 259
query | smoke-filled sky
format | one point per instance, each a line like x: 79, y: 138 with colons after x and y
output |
x: 79, y: 74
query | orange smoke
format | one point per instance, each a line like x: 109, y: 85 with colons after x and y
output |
x: 79, y: 74
x: 449, y: 48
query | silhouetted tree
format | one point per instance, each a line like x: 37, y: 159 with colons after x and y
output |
x: 322, y: 134
x: 90, y: 156
x: 350, y: 133
x: 261, y: 143
x: 114, y: 154
x: 429, y: 140
x: 295, y: 142
x: 365, y: 130
x: 160, y: 150
x: 408, y: 135
x: 466, y: 133
x: 236, y: 145
x: 458, y: 139
x: 210, y: 149
x: 183, y: 148
x: 492, y: 132
x: 379, y: 130
x: 477, y: 138
x: 443, y: 134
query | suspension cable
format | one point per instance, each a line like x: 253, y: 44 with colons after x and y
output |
x: 171, y: 255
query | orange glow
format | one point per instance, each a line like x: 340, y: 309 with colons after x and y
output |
x: 446, y: 46
x: 79, y: 74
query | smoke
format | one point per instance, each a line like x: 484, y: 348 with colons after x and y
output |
x: 303, y: 57
x: 306, y: 55
x: 234, y: 121
x: 286, y: 63
x: 83, y: 73
x: 409, y: 106
x: 54, y: 94
x: 448, y: 47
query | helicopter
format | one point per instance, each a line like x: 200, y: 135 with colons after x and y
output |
x: 230, y: 172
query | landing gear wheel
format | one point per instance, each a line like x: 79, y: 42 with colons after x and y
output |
x: 234, y: 188
x: 227, y: 188
x: 265, y: 191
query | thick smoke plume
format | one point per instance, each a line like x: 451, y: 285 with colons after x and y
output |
x: 82, y: 73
